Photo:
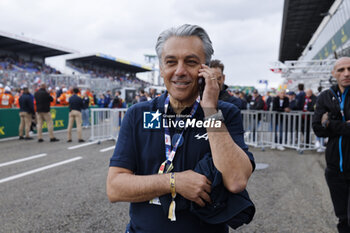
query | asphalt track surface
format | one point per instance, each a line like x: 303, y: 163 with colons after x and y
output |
x: 47, y: 187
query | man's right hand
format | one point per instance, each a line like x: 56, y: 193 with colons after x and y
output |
x: 193, y: 186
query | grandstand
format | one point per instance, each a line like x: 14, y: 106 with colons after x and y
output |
x: 22, y: 60
x: 16, y: 64
x: 102, y: 71
x: 314, y: 34
x: 104, y: 66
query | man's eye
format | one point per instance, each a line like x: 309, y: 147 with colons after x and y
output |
x: 192, y: 62
x: 169, y: 62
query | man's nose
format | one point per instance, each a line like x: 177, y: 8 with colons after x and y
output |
x: 180, y: 69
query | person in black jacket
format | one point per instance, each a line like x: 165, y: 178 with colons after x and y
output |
x: 256, y: 102
x: 293, y: 118
x: 75, y: 106
x: 300, y: 97
x: 224, y: 95
x: 292, y: 101
x: 280, y: 104
x: 309, y: 106
x: 43, y: 99
x: 26, y: 112
x: 143, y: 98
x: 117, y: 101
x: 243, y: 99
x: 332, y: 120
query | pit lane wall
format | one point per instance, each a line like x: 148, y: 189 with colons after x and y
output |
x: 9, y: 121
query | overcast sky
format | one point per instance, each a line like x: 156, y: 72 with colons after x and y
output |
x: 245, y: 34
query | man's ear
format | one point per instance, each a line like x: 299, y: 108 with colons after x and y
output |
x: 333, y: 73
x: 223, y: 78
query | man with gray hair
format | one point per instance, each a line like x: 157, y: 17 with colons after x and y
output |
x: 154, y: 165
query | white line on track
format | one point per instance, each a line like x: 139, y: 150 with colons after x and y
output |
x: 22, y: 160
x: 38, y: 170
x: 82, y: 145
x: 107, y: 149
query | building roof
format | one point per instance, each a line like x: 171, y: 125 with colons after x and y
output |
x: 301, y: 19
x: 15, y: 43
x: 104, y: 60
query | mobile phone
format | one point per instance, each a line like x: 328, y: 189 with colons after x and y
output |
x: 201, y: 86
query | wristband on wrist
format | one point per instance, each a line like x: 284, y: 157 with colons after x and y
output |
x: 171, y: 214
x: 172, y: 184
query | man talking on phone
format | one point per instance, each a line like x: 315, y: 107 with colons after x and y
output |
x: 161, y: 142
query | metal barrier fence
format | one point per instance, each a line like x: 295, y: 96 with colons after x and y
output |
x: 105, y: 123
x: 262, y: 128
x: 279, y: 130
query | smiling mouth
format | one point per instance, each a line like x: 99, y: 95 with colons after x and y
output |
x: 181, y: 83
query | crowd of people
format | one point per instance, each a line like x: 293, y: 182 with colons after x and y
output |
x: 302, y: 101
x: 16, y: 72
x: 31, y: 116
x: 9, y: 98
x: 112, y: 75
x: 282, y: 101
x: 34, y: 109
x: 16, y: 64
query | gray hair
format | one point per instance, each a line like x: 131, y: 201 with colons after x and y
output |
x: 183, y: 31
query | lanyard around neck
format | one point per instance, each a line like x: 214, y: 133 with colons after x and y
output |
x: 341, y: 99
x: 170, y: 153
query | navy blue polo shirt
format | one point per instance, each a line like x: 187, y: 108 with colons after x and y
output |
x: 142, y: 151
x: 75, y: 103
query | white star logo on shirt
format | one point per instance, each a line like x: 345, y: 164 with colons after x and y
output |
x: 155, y: 115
